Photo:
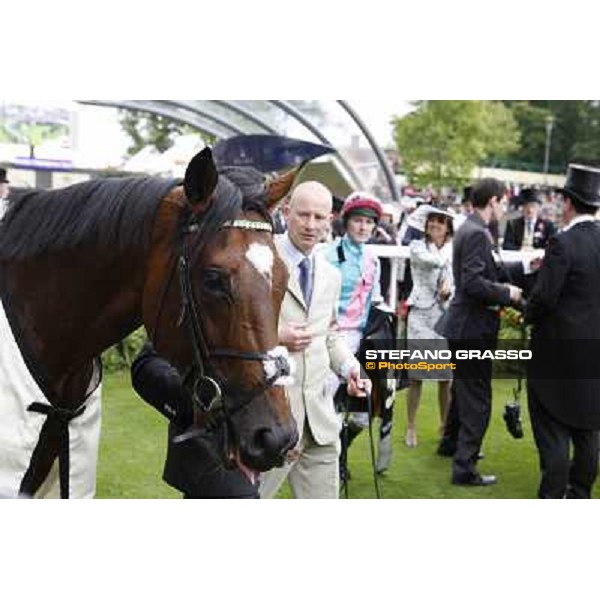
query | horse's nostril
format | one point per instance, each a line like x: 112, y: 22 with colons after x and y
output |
x: 273, y: 442
x: 266, y: 440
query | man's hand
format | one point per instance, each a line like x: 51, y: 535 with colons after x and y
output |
x: 381, y: 233
x: 444, y: 291
x: 358, y: 386
x: 292, y: 455
x: 296, y: 337
x: 516, y: 294
x: 536, y: 263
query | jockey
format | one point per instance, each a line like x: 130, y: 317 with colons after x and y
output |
x: 361, y: 271
x: 359, y: 267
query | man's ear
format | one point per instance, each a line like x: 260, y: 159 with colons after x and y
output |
x: 568, y: 202
x: 201, y: 179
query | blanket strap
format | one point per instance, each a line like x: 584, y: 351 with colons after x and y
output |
x: 61, y: 416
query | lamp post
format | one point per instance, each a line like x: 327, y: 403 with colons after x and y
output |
x: 549, y: 120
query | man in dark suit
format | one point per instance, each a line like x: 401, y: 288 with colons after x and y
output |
x: 473, y: 318
x: 190, y: 466
x: 529, y: 230
x: 564, y: 310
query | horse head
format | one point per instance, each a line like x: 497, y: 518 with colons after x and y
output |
x: 212, y: 308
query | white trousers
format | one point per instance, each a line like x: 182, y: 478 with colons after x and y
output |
x: 314, y: 475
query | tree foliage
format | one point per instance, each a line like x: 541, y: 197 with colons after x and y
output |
x: 31, y: 133
x: 442, y: 141
x: 146, y: 129
x: 4, y: 134
x: 575, y: 135
x: 531, y: 120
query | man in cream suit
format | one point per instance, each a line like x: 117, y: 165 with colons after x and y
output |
x: 307, y: 328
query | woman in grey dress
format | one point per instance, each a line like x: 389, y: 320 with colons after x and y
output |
x: 431, y: 268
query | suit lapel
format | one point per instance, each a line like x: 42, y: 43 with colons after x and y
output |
x: 293, y: 284
x: 520, y: 229
x: 318, y: 277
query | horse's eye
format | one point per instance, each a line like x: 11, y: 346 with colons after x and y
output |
x: 216, y: 282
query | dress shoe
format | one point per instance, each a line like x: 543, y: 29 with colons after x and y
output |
x: 475, y: 480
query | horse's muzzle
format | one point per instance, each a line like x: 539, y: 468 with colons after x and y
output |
x: 268, y: 447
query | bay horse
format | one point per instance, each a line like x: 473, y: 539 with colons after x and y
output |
x: 193, y: 261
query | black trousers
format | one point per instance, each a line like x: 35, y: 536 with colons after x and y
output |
x: 224, y: 485
x: 472, y: 395
x: 563, y: 476
x: 451, y: 425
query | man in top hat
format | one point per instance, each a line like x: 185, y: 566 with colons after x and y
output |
x: 466, y: 208
x: 4, y: 189
x: 337, y: 226
x: 529, y: 230
x: 564, y: 310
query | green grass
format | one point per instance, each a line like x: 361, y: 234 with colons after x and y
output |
x: 133, y: 444
x: 420, y: 473
x: 134, y: 439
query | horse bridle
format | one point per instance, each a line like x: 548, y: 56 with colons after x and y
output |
x: 208, y: 391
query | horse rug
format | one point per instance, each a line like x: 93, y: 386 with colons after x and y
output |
x: 20, y: 428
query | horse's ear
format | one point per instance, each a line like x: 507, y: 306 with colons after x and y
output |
x: 200, y: 178
x: 279, y: 187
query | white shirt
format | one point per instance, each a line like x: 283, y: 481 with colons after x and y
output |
x: 577, y: 220
x: 295, y: 257
x: 3, y: 206
x: 530, y: 225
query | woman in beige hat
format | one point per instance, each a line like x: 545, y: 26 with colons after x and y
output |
x: 431, y: 267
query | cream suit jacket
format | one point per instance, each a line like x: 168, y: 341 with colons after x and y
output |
x: 326, y: 351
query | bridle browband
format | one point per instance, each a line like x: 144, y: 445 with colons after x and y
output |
x: 208, y: 391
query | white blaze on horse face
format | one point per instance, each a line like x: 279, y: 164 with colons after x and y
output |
x: 261, y: 258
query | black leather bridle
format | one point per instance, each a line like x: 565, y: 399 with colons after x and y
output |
x: 209, y: 391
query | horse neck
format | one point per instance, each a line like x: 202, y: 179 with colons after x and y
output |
x: 70, y: 307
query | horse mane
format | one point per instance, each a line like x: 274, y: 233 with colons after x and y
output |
x: 239, y: 188
x: 112, y: 212
x: 250, y: 182
x: 115, y: 213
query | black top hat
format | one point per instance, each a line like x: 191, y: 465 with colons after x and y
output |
x: 467, y: 193
x: 583, y: 184
x: 3, y: 176
x: 338, y: 203
x: 528, y: 195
